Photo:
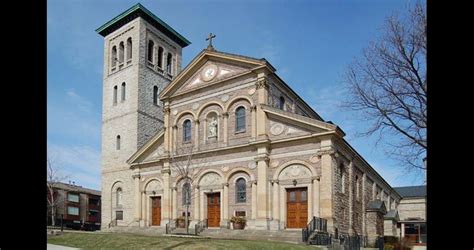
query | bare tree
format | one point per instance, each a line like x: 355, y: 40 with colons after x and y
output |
x: 186, y: 166
x: 54, y: 177
x: 388, y: 86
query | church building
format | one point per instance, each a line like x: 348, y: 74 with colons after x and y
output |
x: 254, y: 146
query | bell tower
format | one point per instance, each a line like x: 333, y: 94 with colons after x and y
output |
x: 142, y: 54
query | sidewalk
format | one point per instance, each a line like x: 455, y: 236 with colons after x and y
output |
x: 58, y: 247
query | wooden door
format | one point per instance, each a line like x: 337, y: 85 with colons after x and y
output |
x: 296, y: 207
x: 213, y: 209
x: 155, y: 211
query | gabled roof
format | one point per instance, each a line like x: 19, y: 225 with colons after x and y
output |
x: 139, y: 10
x: 145, y: 147
x: 202, y: 57
x: 411, y: 191
x: 302, y: 119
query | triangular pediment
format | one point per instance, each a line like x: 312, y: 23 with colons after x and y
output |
x: 211, y: 67
x: 210, y: 72
x: 290, y: 124
x: 151, y: 151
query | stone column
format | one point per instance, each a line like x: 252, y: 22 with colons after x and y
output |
x: 351, y: 195
x: 253, y: 111
x: 166, y: 126
x: 197, y: 215
x: 326, y: 187
x: 143, y: 215
x: 174, y: 214
x: 225, y: 202
x: 174, y: 138
x: 275, y: 223
x: 254, y: 200
x: 310, y: 201
x: 316, y: 196
x: 138, y: 197
x: 225, y: 117
x: 374, y: 191
x: 262, y: 90
x: 165, y: 202
x: 196, y: 134
x: 262, y: 189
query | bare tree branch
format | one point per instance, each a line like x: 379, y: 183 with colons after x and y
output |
x: 388, y: 86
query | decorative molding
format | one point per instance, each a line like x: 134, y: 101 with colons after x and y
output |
x: 225, y: 168
x: 253, y: 108
x: 153, y: 185
x: 315, y: 158
x: 225, y: 114
x: 136, y: 176
x: 252, y: 165
x: 209, y: 179
x: 277, y: 129
x: 166, y: 110
x: 195, y: 106
x: 274, y: 163
x: 175, y: 112
x: 252, y: 91
x: 262, y: 158
x: 165, y: 171
x: 225, y: 98
x: 197, y: 121
x: 262, y: 83
x: 294, y: 171
x: 175, y: 126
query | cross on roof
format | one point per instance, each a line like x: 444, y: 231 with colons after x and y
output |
x: 209, y: 38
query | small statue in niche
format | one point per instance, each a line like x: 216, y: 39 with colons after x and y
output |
x: 213, y: 127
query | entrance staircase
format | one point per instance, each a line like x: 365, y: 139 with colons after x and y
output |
x: 289, y: 236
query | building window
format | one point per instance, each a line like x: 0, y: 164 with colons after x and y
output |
x: 187, y: 131
x: 240, y: 192
x: 281, y: 105
x: 117, y: 142
x: 93, y: 213
x: 151, y: 44
x: 119, y: 215
x: 73, y: 210
x: 119, y: 196
x: 160, y: 57
x: 292, y: 196
x: 73, y: 197
x: 115, y: 94
x: 123, y: 91
x: 129, y: 48
x: 240, y: 119
x: 186, y: 194
x: 169, y: 63
x: 93, y: 201
x: 304, y: 195
x: 155, y: 95
x: 114, y: 56
x: 240, y: 213
x: 121, y: 49
x: 342, y: 177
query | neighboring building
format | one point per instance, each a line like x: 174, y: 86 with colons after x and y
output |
x: 268, y: 155
x: 412, y: 213
x: 80, y: 208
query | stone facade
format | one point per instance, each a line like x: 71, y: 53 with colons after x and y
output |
x: 277, y: 151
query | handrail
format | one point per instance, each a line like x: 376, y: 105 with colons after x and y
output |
x: 315, y: 225
x: 199, y: 227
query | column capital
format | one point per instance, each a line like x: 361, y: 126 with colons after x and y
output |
x: 166, y: 171
x: 175, y: 126
x: 262, y: 83
x: 197, y: 121
x: 225, y: 114
x: 262, y: 158
x: 253, y: 108
x: 136, y: 176
x: 225, y: 184
x: 275, y: 181
x: 166, y: 109
x: 175, y: 188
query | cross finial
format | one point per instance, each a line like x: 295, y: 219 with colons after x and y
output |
x: 209, y: 38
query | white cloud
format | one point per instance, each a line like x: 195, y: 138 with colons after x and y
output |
x: 80, y: 163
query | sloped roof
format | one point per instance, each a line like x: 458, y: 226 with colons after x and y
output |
x: 376, y: 205
x: 411, y: 191
x: 392, y: 214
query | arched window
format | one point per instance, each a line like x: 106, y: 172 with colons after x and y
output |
x: 187, y: 131
x: 240, y: 190
x: 113, y: 58
x: 129, y: 48
x: 240, y: 119
x: 160, y: 57
x: 117, y: 142
x: 186, y: 194
x: 169, y: 63
x: 115, y: 94
x: 282, y: 103
x: 151, y: 44
x: 341, y: 175
x: 121, y: 49
x: 119, y: 196
x: 123, y: 91
x: 155, y: 95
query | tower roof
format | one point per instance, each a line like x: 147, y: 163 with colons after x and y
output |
x: 139, y: 10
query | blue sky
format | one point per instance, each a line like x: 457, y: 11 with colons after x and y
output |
x: 310, y: 43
